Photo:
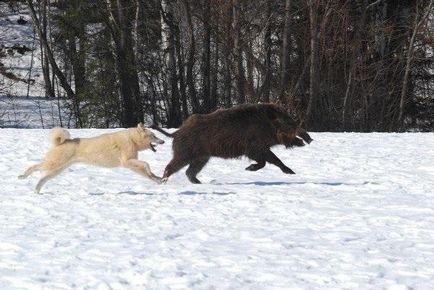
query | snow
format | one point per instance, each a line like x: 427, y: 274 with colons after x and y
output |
x: 359, y: 214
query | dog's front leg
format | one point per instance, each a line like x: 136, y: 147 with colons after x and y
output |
x: 142, y: 168
x: 30, y: 170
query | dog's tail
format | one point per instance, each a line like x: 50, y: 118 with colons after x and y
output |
x: 165, y: 133
x: 58, y: 136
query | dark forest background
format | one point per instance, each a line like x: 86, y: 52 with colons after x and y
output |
x: 356, y: 65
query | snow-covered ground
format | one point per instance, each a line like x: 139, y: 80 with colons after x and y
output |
x: 359, y: 214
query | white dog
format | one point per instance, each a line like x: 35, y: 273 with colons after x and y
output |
x: 107, y: 150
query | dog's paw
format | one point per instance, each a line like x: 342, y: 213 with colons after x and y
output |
x: 158, y: 180
x: 164, y: 179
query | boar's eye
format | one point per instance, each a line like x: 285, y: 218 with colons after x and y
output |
x: 288, y: 120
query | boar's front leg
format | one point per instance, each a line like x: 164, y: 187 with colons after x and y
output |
x: 195, y: 167
x: 273, y: 159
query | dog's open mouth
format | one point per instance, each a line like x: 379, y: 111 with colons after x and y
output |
x: 155, y: 143
x: 152, y: 146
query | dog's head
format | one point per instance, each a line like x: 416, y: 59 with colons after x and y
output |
x: 147, y: 138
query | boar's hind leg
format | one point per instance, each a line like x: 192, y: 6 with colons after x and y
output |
x: 195, y: 167
x: 256, y: 166
x: 259, y: 158
x: 273, y: 159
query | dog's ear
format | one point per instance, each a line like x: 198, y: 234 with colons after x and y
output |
x: 140, y: 126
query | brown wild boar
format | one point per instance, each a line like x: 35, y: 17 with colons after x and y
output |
x: 245, y: 130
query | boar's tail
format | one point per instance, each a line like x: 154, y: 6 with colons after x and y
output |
x: 165, y: 133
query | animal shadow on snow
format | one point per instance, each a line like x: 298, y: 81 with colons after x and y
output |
x: 274, y: 183
x: 190, y: 192
x: 129, y: 192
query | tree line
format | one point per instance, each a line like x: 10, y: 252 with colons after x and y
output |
x: 354, y: 65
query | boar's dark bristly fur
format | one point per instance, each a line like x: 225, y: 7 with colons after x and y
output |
x: 245, y: 130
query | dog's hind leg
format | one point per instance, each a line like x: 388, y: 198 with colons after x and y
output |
x: 194, y: 169
x: 273, y: 159
x: 142, y: 168
x: 30, y: 170
x: 49, y: 175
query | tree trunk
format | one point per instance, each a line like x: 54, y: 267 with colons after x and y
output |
x: 214, y: 71
x: 206, y: 57
x: 49, y: 91
x: 120, y: 20
x: 174, y: 118
x: 63, y: 81
x: 238, y: 53
x: 77, y: 56
x: 190, y: 61
x: 227, y: 83
x: 356, y: 51
x: 266, y: 86
x: 403, y: 99
x: 314, y: 68
x: 285, y: 56
x: 181, y: 75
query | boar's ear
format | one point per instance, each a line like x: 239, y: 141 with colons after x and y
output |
x: 271, y: 113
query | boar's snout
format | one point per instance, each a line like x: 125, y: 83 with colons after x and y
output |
x: 304, y: 135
